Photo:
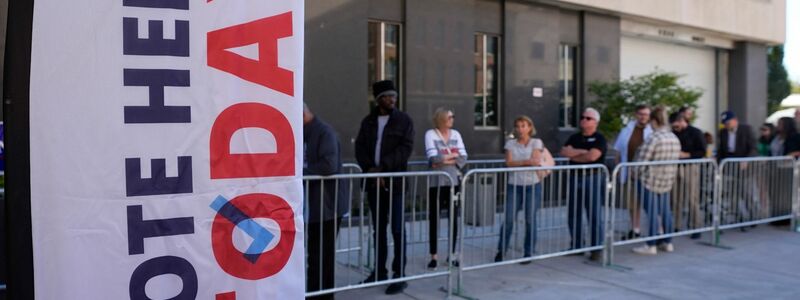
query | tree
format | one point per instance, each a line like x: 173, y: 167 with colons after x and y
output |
x: 617, y: 100
x: 778, y: 85
x: 795, y: 87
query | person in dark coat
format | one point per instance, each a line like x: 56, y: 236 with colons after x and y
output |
x: 383, y: 145
x: 326, y: 201
x: 737, y: 140
x: 686, y: 191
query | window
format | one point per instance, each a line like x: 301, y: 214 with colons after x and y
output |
x: 383, y: 58
x: 567, y: 84
x: 487, y: 80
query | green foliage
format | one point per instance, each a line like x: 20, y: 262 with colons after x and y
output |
x: 778, y: 85
x: 616, y: 101
x: 795, y: 87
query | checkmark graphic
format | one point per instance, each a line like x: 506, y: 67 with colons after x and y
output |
x: 261, y: 236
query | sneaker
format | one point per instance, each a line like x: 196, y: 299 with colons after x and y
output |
x: 396, y: 288
x: 373, y: 278
x: 645, y: 250
x: 666, y: 247
x: 498, y: 257
x: 694, y: 236
x: 596, y: 255
x: 432, y: 264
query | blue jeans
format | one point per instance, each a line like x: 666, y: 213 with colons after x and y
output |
x: 656, y: 205
x: 588, y: 194
x: 516, y: 196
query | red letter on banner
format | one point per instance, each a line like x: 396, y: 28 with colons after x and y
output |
x: 264, y: 71
x: 233, y: 261
x: 251, y: 115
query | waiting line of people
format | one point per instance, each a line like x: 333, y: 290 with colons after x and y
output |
x: 385, y: 141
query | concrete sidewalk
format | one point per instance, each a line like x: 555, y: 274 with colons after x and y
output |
x: 763, y: 263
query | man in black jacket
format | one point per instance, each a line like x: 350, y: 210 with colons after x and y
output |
x: 383, y: 145
x: 686, y: 191
x: 736, y: 140
x: 326, y: 201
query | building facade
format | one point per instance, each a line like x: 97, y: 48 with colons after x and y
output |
x: 491, y: 60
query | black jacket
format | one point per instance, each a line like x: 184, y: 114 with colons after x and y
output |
x: 692, y: 141
x: 325, y: 199
x: 745, y: 143
x: 396, y: 144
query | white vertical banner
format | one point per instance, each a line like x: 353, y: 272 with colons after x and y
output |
x: 166, y: 149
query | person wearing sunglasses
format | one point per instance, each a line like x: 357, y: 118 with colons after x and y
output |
x: 584, y: 148
x: 445, y: 150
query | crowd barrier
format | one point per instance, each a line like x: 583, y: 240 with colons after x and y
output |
x: 496, y: 216
x: 409, y: 222
x: 756, y: 190
x: 660, y: 200
x: 508, y: 219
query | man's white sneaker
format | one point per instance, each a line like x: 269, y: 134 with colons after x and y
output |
x: 668, y: 247
x: 645, y: 250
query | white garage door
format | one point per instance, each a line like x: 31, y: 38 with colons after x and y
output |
x: 640, y: 56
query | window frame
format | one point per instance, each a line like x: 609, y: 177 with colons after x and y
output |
x: 498, y: 66
x: 577, y: 79
x: 380, y: 61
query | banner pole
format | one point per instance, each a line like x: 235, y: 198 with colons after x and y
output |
x: 16, y: 100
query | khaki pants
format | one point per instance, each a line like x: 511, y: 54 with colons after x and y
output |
x: 686, y: 195
x: 630, y: 199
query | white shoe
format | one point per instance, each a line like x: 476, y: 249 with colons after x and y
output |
x: 668, y: 247
x: 645, y: 250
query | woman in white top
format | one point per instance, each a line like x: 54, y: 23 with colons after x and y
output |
x: 523, y: 189
x: 445, y: 151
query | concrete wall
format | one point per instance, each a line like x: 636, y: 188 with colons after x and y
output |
x: 747, y: 75
x: 336, y: 64
x: 438, y: 62
x: 755, y: 20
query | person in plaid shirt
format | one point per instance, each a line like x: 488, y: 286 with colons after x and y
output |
x: 655, y: 182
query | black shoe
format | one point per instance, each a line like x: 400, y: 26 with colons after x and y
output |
x: 372, y: 278
x: 694, y: 236
x: 596, y: 255
x: 396, y: 288
x: 527, y: 262
x: 432, y: 264
x: 498, y: 257
x: 453, y: 263
x: 632, y: 235
x: 743, y: 229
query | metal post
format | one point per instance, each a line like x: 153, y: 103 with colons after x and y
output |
x: 716, y: 200
x: 795, y: 198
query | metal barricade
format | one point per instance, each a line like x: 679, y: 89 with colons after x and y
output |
x: 756, y: 190
x: 657, y: 200
x: 551, y: 223
x: 404, y: 208
x: 351, y: 168
x: 795, y: 224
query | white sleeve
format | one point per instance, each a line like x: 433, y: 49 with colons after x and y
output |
x: 537, y: 144
x: 462, y: 150
x: 430, y: 144
x: 618, y: 145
